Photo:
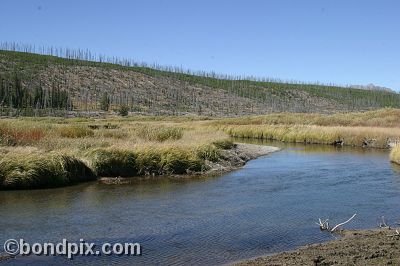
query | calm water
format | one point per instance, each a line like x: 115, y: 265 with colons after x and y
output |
x: 268, y: 206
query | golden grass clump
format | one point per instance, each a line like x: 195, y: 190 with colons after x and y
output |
x: 352, y: 136
x: 113, y: 162
x: 387, y: 117
x: 38, y: 170
x: 167, y: 160
x: 75, y: 132
x: 159, y: 133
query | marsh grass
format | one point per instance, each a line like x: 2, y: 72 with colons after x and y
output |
x: 75, y: 132
x: 387, y: 117
x: 113, y: 162
x: 19, y: 134
x: 352, y: 136
x: 225, y: 144
x: 47, y: 152
x: 36, y: 170
x: 159, y: 133
x: 71, y: 151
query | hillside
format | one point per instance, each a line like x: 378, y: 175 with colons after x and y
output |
x: 33, y: 84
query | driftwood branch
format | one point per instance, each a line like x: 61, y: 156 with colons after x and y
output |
x: 383, y: 223
x: 324, y: 225
x: 338, y: 225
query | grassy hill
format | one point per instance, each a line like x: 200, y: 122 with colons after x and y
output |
x: 34, y: 84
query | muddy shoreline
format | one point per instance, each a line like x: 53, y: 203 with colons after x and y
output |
x: 230, y: 159
x: 355, y: 247
x: 4, y: 257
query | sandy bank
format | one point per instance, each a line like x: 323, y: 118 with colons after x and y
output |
x: 358, y: 247
x: 229, y: 160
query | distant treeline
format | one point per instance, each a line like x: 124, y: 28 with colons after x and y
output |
x: 47, y: 80
x: 16, y: 98
x: 88, y: 56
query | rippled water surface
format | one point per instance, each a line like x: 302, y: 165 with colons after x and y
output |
x: 270, y: 205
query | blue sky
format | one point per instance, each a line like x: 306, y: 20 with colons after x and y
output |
x: 338, y: 41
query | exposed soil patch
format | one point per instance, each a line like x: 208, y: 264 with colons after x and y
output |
x: 359, y: 247
x: 4, y: 257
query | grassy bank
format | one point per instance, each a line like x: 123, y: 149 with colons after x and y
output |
x: 373, y: 137
x: 56, y: 152
x: 377, y: 129
x: 387, y: 117
x: 49, y: 152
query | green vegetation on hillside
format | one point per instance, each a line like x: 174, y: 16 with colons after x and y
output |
x: 80, y: 83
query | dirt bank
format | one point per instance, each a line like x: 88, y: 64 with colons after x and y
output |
x: 359, y: 247
x: 4, y: 257
x: 238, y: 156
x: 229, y: 160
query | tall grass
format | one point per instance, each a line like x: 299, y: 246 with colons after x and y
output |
x: 13, y: 135
x: 352, y: 136
x: 35, y: 170
x: 75, y: 150
x: 53, y: 152
x: 159, y: 133
x: 146, y: 161
x: 113, y: 162
x: 387, y: 117
x: 75, y: 132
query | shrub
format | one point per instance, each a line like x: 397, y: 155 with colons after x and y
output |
x: 123, y: 110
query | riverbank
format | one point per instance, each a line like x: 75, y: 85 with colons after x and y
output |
x: 228, y: 160
x: 373, y: 129
x: 48, y: 153
x: 53, y: 152
x: 4, y: 257
x: 355, y: 247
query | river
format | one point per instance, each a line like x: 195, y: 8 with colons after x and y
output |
x: 268, y: 206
